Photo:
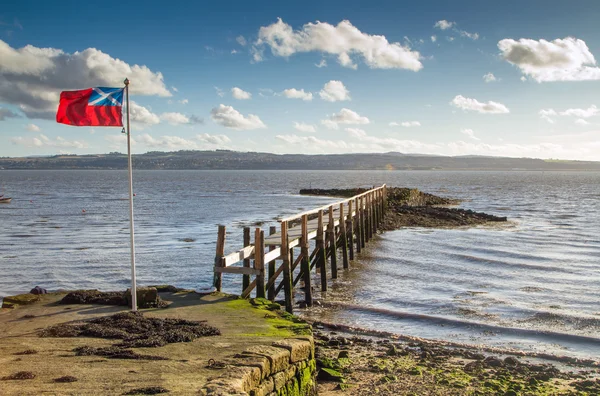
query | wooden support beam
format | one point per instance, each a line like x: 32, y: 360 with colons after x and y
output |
x: 287, y: 278
x: 321, y: 254
x: 305, y: 267
x: 246, y: 279
x: 367, y: 216
x: 236, y: 270
x: 246, y: 293
x: 376, y: 208
x: 343, y: 237
x: 373, y: 214
x: 271, y: 291
x: 350, y: 231
x: 360, y: 232
x: 259, y: 264
x: 218, y: 278
x: 332, y: 244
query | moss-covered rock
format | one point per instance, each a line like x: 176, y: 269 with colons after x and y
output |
x: 20, y: 299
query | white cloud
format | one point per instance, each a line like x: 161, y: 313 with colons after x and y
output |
x: 240, y: 94
x: 409, y: 124
x: 489, y: 77
x: 33, y: 77
x: 217, y: 140
x: 294, y: 93
x: 219, y: 91
x: 393, y: 124
x: 469, y: 133
x: 444, y: 24
x: 314, y: 143
x: 33, y: 128
x: 321, y: 64
x: 472, y: 36
x: 345, y: 116
x: 356, y: 132
x: 175, y: 118
x: 241, y: 40
x: 302, y: 127
x: 174, y: 89
x: 523, y: 78
x: 581, y: 121
x: 44, y: 141
x: 118, y: 142
x: 141, y: 115
x: 474, y: 105
x: 545, y: 114
x: 433, y: 38
x: 343, y: 40
x: 581, y: 113
x: 567, y: 59
x: 201, y: 141
x: 591, y: 111
x: 229, y: 117
x: 184, y: 101
x: 334, y: 91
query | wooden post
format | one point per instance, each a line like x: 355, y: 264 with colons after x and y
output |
x: 377, y: 210
x: 305, y: 266
x: 287, y: 278
x: 384, y: 198
x: 374, y: 213
x: 361, y: 223
x: 218, y: 277
x: 350, y: 231
x: 332, y: 244
x: 271, y: 291
x: 246, y: 278
x: 343, y: 237
x: 259, y: 262
x: 321, y: 254
x: 367, y: 218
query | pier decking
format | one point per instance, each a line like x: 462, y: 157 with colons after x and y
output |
x: 344, y: 226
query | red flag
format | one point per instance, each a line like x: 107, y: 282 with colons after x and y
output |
x: 91, y: 107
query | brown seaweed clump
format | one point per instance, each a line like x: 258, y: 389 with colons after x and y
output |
x: 21, y: 375
x: 65, y: 379
x: 114, y: 352
x: 27, y: 352
x: 135, y: 330
x: 151, y: 390
x: 94, y: 297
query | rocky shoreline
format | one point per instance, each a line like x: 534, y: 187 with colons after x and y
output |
x: 356, y: 364
x: 413, y: 208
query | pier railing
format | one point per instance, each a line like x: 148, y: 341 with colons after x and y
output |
x: 341, y: 227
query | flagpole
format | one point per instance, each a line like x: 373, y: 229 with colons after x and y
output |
x: 131, y: 232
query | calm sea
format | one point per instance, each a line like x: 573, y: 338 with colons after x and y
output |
x: 532, y: 283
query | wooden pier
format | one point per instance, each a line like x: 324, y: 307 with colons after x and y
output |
x: 343, y: 228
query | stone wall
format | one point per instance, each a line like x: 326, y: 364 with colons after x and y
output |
x: 285, y: 368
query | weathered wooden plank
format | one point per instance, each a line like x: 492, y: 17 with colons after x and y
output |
x: 343, y: 237
x: 238, y: 256
x: 271, y: 290
x: 236, y: 270
x: 218, y: 278
x: 247, y: 292
x: 287, y: 278
x: 321, y: 254
x: 305, y: 268
x: 332, y: 244
x: 246, y: 278
x: 259, y: 264
x: 350, y: 231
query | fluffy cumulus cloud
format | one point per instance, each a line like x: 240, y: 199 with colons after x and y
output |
x: 32, y: 128
x: 302, y: 127
x: 343, y: 40
x: 581, y: 121
x: 43, y: 141
x: 356, y: 132
x: 142, y: 116
x: 469, y: 133
x: 410, y: 124
x: 174, y: 118
x: 240, y: 94
x: 33, y: 77
x: 444, y: 24
x: 334, y: 91
x: 567, y: 59
x: 469, y: 104
x: 202, y: 141
x: 6, y: 113
x: 489, y: 77
x: 229, y: 117
x: 294, y: 93
x: 547, y: 114
x: 345, y: 116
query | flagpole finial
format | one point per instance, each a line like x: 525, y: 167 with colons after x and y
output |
x: 126, y: 81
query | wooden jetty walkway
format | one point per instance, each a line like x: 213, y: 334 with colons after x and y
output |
x: 342, y: 227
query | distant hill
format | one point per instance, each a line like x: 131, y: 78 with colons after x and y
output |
x: 225, y: 159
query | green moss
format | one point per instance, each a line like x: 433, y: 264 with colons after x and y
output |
x: 20, y: 299
x: 327, y: 374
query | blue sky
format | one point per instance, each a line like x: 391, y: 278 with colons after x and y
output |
x: 453, y: 78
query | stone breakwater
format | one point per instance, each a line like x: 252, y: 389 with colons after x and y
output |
x: 410, y: 207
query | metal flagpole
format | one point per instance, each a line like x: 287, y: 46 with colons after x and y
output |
x: 133, y: 286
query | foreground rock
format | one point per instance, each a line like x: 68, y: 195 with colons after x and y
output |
x: 353, y: 365
x: 413, y: 208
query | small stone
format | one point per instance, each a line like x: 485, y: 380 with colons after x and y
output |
x: 344, y: 355
x: 38, y: 290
